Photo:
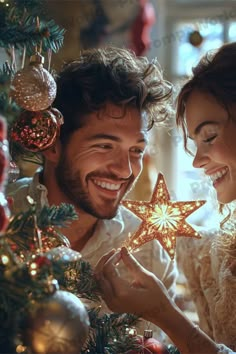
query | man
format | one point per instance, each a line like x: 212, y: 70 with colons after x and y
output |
x: 109, y: 99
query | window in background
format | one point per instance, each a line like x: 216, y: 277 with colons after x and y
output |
x: 187, y: 54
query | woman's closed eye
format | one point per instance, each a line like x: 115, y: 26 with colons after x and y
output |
x: 137, y: 151
x: 210, y: 139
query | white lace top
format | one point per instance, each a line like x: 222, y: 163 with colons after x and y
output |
x: 209, y: 265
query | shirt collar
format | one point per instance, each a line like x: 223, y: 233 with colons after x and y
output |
x: 37, y: 191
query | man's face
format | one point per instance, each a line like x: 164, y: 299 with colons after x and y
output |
x: 102, y: 160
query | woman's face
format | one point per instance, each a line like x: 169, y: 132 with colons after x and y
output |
x: 214, y: 135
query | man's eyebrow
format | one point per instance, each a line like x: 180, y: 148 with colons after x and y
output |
x: 200, y: 126
x: 113, y: 137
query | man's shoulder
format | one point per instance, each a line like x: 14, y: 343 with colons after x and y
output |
x: 18, y: 191
x: 18, y: 186
x: 126, y: 214
x: 129, y: 219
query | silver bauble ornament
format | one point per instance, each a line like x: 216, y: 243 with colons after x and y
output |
x: 33, y: 88
x: 58, y: 324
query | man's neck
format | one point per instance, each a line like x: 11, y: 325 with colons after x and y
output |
x: 79, y: 231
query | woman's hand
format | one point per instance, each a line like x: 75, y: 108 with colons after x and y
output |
x: 144, y: 296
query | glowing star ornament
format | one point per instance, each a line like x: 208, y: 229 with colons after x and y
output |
x: 162, y: 219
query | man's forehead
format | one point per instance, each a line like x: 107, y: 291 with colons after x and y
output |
x: 111, y: 110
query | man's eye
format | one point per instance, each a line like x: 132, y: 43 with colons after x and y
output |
x: 104, y: 146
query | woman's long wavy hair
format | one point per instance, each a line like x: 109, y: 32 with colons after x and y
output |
x: 215, y: 74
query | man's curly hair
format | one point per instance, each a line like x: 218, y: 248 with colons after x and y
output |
x: 112, y: 75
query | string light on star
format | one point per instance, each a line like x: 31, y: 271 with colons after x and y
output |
x: 162, y: 219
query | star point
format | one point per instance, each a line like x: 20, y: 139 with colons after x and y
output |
x: 162, y: 219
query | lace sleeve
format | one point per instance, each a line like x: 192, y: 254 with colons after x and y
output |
x: 222, y: 349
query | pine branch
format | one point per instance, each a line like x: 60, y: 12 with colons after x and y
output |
x: 8, y: 108
x: 87, y: 284
x: 108, y: 333
x: 19, y: 286
x: 172, y: 349
x: 78, y: 277
x: 25, y: 35
x: 124, y: 344
x: 18, y: 27
x: 59, y: 216
x: 33, y: 6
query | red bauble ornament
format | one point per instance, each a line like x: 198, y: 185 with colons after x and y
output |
x: 4, y: 214
x: 4, y: 153
x: 3, y: 129
x: 150, y: 345
x: 58, y: 115
x: 4, y: 161
x: 36, y: 131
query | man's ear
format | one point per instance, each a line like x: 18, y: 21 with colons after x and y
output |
x: 53, y: 153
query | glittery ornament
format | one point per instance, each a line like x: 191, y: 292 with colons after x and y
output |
x: 52, y: 239
x: 58, y: 324
x: 33, y: 88
x: 63, y: 254
x: 35, y: 131
x: 4, y: 213
x: 162, y: 219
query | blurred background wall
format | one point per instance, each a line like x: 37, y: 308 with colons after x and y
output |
x: 178, y: 33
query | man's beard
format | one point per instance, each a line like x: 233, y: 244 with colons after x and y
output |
x: 71, y: 185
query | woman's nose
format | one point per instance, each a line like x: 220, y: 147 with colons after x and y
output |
x: 200, y: 159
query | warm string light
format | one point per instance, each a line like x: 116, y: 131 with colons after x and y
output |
x: 21, y: 348
x: 162, y: 219
x: 5, y: 259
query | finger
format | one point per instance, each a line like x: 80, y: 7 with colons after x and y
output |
x: 110, y: 271
x: 102, y: 261
x: 107, y: 292
x: 114, y: 292
x: 131, y: 262
x: 140, y: 274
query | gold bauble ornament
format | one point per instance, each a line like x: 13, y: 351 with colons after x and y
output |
x: 162, y: 219
x: 33, y: 88
x: 58, y: 324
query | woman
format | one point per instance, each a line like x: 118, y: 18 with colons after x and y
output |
x: 206, y: 111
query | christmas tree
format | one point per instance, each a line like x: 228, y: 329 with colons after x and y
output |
x: 24, y: 28
x: 42, y: 279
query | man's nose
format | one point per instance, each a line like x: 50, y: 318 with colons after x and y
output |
x: 121, y: 166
